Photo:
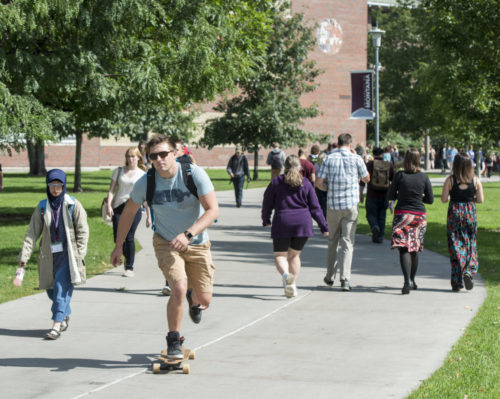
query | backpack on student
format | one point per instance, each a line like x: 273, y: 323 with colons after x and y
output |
x: 276, y: 161
x: 313, y: 158
x: 187, y: 176
x: 43, y: 205
x: 380, y: 176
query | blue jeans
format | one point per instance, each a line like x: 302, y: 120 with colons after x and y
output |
x: 129, y: 243
x: 238, y: 182
x: 61, y: 292
x: 376, y: 209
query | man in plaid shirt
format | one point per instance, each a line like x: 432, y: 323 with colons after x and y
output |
x: 339, y: 175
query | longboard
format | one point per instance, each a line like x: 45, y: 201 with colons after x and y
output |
x: 165, y: 364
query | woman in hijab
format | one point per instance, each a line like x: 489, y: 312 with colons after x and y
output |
x: 62, y: 223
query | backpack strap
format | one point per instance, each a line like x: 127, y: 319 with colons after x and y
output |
x: 43, y: 205
x: 150, y: 192
x: 187, y: 175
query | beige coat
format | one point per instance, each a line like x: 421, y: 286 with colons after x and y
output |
x: 77, y: 235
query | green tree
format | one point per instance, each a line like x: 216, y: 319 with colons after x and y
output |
x: 404, y: 56
x: 464, y: 69
x: 441, y: 70
x: 119, y: 67
x: 268, y: 107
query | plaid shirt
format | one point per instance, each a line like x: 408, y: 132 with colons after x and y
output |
x: 342, y: 170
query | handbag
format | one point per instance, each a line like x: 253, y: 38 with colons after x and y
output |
x: 104, y: 211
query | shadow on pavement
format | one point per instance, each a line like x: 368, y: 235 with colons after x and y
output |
x: 66, y: 364
x: 23, y: 333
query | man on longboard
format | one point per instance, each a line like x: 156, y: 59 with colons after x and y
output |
x: 180, y: 240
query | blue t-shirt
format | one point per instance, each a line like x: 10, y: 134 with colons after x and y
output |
x: 175, y: 208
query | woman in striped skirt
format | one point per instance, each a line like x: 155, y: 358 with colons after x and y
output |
x: 411, y: 188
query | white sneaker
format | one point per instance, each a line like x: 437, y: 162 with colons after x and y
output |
x: 128, y: 273
x: 289, y: 285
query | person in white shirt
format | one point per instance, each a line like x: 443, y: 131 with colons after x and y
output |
x: 122, y: 183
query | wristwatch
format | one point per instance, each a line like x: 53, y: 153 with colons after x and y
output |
x: 188, y: 235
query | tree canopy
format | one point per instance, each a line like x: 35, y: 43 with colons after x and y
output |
x: 120, y: 67
x: 441, y: 69
x: 267, y: 108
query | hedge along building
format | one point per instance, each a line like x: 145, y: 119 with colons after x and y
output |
x: 341, y: 47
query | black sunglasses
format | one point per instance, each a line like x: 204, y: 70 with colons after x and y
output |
x: 161, y: 154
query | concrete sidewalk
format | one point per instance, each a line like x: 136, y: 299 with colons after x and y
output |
x: 252, y: 342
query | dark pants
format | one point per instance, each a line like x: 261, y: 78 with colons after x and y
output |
x: 322, y: 198
x: 129, y: 244
x: 375, y: 214
x: 238, y: 182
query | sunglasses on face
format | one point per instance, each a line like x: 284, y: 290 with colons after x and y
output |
x: 56, y: 185
x: 161, y: 154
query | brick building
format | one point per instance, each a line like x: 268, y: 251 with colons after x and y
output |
x: 341, y: 34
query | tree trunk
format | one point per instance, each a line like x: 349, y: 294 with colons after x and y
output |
x: 256, y: 164
x: 36, y: 155
x: 77, y: 188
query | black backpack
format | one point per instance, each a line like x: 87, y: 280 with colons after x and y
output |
x: 187, y: 175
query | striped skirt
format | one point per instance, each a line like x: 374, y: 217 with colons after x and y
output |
x: 461, y: 229
x: 408, y: 231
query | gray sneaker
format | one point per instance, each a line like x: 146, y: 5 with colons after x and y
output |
x: 174, y: 348
x: 329, y: 283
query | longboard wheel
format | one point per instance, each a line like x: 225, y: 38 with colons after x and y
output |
x: 185, y: 369
x: 156, y: 368
x: 192, y: 355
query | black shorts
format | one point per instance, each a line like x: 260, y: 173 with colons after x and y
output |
x: 283, y: 244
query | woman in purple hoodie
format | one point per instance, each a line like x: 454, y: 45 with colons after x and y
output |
x: 294, y: 202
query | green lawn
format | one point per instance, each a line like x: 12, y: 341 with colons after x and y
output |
x: 22, y: 194
x: 471, y: 369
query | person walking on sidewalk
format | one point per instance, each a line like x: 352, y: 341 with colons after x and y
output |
x: 62, y: 223
x: 276, y: 159
x: 381, y: 174
x: 342, y: 170
x: 294, y: 202
x: 412, y: 189
x: 180, y: 241
x: 463, y: 190
x: 122, y: 183
x: 237, y: 168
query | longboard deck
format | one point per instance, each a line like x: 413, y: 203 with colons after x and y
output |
x: 165, y: 364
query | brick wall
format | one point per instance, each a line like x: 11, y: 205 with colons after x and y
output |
x: 334, y: 92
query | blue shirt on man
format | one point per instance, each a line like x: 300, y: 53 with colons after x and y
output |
x: 175, y: 208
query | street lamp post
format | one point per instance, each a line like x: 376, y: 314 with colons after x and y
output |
x: 376, y: 34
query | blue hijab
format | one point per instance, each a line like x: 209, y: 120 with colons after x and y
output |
x: 56, y: 174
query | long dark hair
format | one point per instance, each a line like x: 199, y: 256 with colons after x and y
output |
x: 411, y: 162
x: 462, y: 168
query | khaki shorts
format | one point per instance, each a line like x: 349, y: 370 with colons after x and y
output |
x: 194, y: 264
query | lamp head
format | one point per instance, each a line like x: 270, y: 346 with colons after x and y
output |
x: 376, y: 34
